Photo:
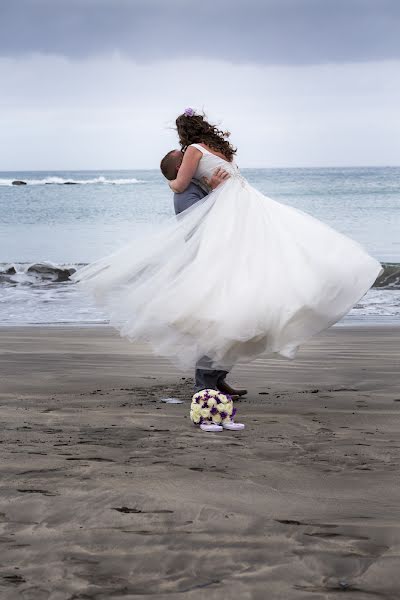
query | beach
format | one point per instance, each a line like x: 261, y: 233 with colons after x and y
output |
x: 109, y: 493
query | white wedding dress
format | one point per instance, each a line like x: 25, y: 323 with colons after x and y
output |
x: 236, y: 275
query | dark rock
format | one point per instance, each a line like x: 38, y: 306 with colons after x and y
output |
x: 18, y: 182
x: 390, y: 278
x: 9, y: 271
x: 6, y: 276
x: 70, y: 183
x: 51, y: 272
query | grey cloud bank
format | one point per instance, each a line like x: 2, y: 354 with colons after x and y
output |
x: 98, y: 83
x: 113, y: 113
x: 257, y: 31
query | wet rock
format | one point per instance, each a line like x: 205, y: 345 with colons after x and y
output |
x: 390, y: 278
x: 51, y: 272
x: 9, y: 271
x: 18, y: 182
x: 6, y: 276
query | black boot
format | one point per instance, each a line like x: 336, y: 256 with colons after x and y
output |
x: 225, y: 388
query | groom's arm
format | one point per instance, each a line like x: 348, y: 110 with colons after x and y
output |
x: 194, y: 193
x: 186, y: 199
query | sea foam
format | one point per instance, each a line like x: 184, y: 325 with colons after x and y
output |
x: 61, y: 181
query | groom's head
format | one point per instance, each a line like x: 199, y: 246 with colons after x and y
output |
x: 170, y: 164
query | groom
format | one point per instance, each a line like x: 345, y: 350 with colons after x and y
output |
x: 205, y: 377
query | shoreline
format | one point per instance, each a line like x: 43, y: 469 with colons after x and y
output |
x: 108, y: 492
x: 362, y: 321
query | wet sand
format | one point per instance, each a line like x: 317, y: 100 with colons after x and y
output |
x: 109, y: 493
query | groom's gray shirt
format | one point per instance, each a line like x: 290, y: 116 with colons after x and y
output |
x: 190, y: 196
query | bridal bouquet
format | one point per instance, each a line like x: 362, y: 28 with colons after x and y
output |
x: 210, y: 406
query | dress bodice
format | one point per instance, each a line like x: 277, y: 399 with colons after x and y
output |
x: 209, y: 162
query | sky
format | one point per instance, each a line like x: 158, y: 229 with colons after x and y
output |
x: 97, y: 84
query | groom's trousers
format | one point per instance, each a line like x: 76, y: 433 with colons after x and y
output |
x: 206, y: 377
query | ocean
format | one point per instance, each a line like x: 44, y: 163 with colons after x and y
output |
x: 61, y: 220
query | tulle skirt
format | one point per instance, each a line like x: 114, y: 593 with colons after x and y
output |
x: 236, y: 275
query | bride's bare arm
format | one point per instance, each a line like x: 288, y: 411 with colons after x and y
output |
x: 186, y: 171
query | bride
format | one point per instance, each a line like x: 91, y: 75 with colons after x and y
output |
x: 238, y: 274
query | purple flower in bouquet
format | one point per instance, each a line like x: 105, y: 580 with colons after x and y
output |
x: 189, y: 112
x: 214, y: 410
x: 234, y: 412
x: 223, y: 415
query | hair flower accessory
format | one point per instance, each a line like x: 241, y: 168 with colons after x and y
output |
x: 189, y: 112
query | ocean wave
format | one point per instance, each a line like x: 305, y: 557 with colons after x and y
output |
x: 47, y: 272
x: 34, y: 293
x: 378, y: 302
x: 61, y: 181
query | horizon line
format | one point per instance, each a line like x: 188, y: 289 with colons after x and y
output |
x: 82, y: 170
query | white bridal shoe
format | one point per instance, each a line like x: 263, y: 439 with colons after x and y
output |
x: 233, y: 426
x: 210, y: 427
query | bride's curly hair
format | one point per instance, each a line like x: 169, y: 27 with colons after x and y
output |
x: 195, y: 129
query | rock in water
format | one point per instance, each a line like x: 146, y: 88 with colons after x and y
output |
x: 6, y: 276
x: 9, y: 271
x: 51, y: 272
x: 390, y: 278
x: 18, y: 182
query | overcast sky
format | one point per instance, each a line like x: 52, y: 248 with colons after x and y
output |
x: 96, y: 84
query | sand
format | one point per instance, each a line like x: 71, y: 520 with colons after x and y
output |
x: 109, y: 493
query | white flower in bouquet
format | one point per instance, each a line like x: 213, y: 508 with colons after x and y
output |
x: 194, y: 417
x: 229, y: 408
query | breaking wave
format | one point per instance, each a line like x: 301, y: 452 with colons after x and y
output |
x: 53, y: 180
x: 46, y: 272
x: 40, y: 293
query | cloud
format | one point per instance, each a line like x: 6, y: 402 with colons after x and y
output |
x: 110, y: 112
x: 255, y: 31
